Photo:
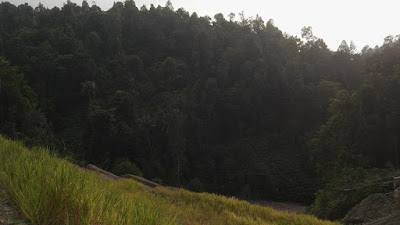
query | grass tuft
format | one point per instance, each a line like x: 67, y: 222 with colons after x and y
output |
x: 51, y: 191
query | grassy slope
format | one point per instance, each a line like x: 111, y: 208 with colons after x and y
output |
x: 49, y: 190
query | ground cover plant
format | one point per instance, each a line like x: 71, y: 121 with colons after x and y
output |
x: 49, y: 190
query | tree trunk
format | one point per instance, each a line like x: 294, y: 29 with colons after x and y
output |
x: 150, y: 147
x: 1, y: 105
x: 179, y: 171
x: 396, y: 149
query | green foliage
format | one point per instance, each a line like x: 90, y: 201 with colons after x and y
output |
x: 20, y: 117
x: 232, y: 104
x: 348, y: 188
x: 363, y: 128
x: 52, y: 191
x: 195, y: 185
x: 48, y: 190
x: 125, y: 166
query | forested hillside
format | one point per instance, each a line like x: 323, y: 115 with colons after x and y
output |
x: 224, y: 105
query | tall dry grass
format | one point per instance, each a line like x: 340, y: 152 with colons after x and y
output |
x: 51, y: 191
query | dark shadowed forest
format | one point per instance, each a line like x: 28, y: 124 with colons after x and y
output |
x: 228, y: 105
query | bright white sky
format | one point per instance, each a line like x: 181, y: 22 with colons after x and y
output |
x: 365, y: 22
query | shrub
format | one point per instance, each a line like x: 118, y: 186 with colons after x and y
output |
x: 195, y: 185
x: 348, y: 189
x: 125, y: 166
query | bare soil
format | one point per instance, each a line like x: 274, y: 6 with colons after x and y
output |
x: 283, y: 206
x: 8, y: 213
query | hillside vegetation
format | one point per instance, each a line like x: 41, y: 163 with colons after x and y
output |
x: 227, y: 105
x: 211, y: 104
x: 49, y: 190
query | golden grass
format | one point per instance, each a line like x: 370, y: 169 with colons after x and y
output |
x: 52, y: 191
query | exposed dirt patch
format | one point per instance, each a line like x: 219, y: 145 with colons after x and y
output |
x: 142, y: 180
x: 8, y: 213
x: 282, y: 206
x: 103, y: 173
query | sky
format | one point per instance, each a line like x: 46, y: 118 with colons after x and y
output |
x: 364, y: 22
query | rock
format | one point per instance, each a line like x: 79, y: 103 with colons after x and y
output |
x: 396, y: 182
x: 372, y: 209
x: 393, y: 219
x: 142, y: 180
x: 102, y: 172
x: 396, y: 195
x: 8, y: 213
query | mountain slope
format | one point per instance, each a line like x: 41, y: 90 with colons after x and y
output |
x: 49, y: 190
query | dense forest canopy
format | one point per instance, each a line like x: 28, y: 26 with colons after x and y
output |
x: 221, y: 105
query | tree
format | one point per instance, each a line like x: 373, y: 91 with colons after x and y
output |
x: 246, y: 104
x: 306, y: 32
x: 20, y: 117
x: 169, y: 6
x: 344, y: 47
